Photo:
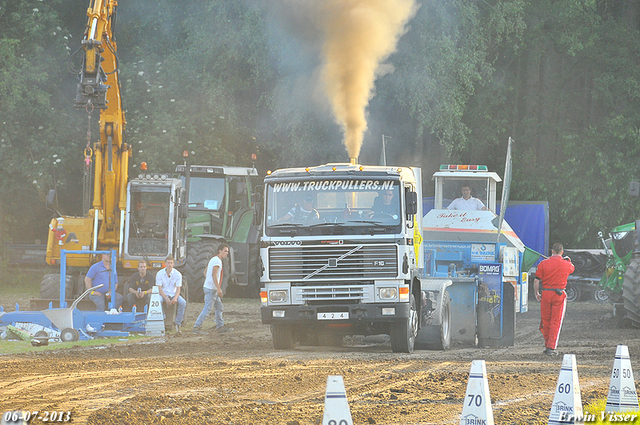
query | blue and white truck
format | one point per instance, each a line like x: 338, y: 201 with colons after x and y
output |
x: 352, y: 267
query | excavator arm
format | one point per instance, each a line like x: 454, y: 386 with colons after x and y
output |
x: 99, y: 88
x: 143, y: 219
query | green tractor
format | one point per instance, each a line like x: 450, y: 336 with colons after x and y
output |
x: 621, y: 280
x: 221, y: 210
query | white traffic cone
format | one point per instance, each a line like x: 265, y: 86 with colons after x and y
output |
x: 336, y: 406
x: 622, y: 388
x: 155, y: 317
x: 477, y: 401
x: 567, y: 403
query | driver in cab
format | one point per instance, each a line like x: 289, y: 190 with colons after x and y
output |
x: 385, y: 204
x: 467, y: 202
x: 302, y: 212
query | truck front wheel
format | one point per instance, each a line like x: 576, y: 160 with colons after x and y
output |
x: 403, y: 334
x: 282, y: 337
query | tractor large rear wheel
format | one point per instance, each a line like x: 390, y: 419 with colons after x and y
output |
x: 198, y: 255
x: 252, y: 289
x: 437, y: 337
x: 631, y: 291
x: 50, y: 287
x: 254, y: 266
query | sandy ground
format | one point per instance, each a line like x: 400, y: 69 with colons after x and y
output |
x: 238, y: 378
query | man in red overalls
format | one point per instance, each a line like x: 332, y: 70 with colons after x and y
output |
x: 553, y: 273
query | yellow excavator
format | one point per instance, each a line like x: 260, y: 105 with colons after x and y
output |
x: 142, y: 219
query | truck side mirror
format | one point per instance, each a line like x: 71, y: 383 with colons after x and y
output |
x: 256, y: 200
x: 256, y: 197
x: 412, y: 203
x: 634, y: 188
x: 184, y: 205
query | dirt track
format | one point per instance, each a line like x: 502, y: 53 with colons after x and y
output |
x: 237, y: 378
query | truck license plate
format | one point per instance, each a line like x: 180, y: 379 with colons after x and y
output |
x: 336, y: 315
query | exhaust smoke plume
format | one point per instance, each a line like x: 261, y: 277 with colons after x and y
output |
x: 358, y: 36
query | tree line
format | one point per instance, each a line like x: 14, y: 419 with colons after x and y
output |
x: 224, y: 79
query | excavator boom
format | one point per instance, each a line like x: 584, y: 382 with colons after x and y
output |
x: 99, y: 88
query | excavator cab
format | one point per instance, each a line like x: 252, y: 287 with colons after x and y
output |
x: 154, y: 224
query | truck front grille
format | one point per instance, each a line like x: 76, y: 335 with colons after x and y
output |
x: 328, y: 295
x: 346, y: 262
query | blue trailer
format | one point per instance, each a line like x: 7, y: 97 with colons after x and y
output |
x: 69, y: 323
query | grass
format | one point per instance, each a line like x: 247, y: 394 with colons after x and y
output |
x: 18, y: 287
x: 595, y: 416
x: 21, y: 347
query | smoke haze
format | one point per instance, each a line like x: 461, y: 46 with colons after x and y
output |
x: 358, y: 36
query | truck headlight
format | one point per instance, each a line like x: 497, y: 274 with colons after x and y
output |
x: 278, y: 297
x: 388, y: 293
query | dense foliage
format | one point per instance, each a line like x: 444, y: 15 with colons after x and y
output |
x: 226, y: 79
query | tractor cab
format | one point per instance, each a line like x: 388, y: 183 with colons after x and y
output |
x: 451, y: 180
x: 219, y: 199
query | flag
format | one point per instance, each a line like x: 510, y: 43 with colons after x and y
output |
x: 506, y: 186
x: 529, y: 258
x: 383, y: 154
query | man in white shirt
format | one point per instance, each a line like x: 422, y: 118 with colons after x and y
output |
x: 169, y: 281
x: 213, y: 290
x: 467, y: 202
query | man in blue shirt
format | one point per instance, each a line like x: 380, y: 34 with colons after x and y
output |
x: 100, y: 273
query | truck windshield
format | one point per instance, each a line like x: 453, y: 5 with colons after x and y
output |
x: 460, y: 194
x: 309, y: 204
x: 205, y: 193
